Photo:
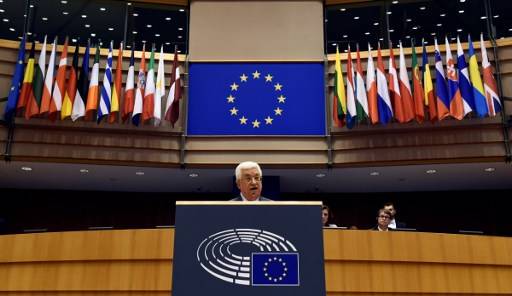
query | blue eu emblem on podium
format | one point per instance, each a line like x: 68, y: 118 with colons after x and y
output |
x: 276, y: 263
x: 275, y: 269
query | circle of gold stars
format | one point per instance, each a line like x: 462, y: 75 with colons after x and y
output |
x: 244, y: 78
x: 279, y: 263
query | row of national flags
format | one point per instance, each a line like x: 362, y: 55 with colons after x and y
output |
x: 40, y: 90
x: 459, y: 89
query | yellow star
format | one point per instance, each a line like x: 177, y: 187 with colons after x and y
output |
x: 234, y: 86
x: 256, y: 75
x: 231, y: 99
x: 256, y: 124
x: 278, y: 86
x: 278, y: 111
x: 243, y: 78
x: 281, y: 99
x: 234, y: 111
x: 243, y: 120
x: 268, y: 120
x: 268, y: 78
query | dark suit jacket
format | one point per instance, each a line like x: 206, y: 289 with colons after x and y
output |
x: 239, y: 198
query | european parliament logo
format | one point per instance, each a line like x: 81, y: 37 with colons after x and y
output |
x: 269, y: 260
x: 256, y: 99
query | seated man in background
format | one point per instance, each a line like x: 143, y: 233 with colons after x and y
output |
x: 249, y: 180
x: 383, y: 219
x: 327, y: 217
x: 389, y: 206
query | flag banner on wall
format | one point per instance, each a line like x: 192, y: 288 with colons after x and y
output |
x: 256, y: 99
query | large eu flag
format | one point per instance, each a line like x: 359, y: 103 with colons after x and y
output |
x: 256, y: 99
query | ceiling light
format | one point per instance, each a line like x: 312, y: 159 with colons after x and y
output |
x: 65, y: 13
x: 483, y: 17
x: 139, y: 173
x: 422, y: 8
x: 6, y: 20
x: 93, y: 35
x: 193, y: 175
x: 415, y: 28
x: 439, y: 25
x: 381, y: 39
x: 31, y: 5
x: 333, y: 44
x: 180, y: 29
x: 143, y: 41
x: 84, y: 171
x: 135, y: 14
x: 19, y: 37
x: 367, y: 33
x: 84, y: 15
x: 408, y: 20
x: 179, y: 37
x: 442, y: 15
x: 64, y: 2
x: 157, y: 35
x: 320, y: 175
x: 149, y: 26
x: 182, y: 10
x: 128, y: 46
x: 453, y: 39
x: 374, y: 173
x: 129, y: 3
x: 87, y: 25
x: 459, y: 30
x: 489, y: 170
x: 167, y: 18
x: 391, y: 30
x: 496, y: 16
x: 395, y: 2
x: 433, y: 34
x: 29, y: 33
x: 356, y: 17
x: 407, y: 37
x: 462, y: 1
x: 375, y: 24
x: 389, y: 12
x: 26, y: 168
x: 430, y: 171
x: 134, y: 32
x: 44, y: 18
x: 12, y: 29
x: 111, y: 29
x: 103, y: 8
x: 343, y: 9
x: 73, y: 40
x: 461, y: 11
x: 167, y: 43
x: 179, y: 51
x: 326, y: 20
x: 1, y: 10
x: 510, y: 29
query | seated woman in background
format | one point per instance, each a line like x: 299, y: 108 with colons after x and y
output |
x: 327, y: 217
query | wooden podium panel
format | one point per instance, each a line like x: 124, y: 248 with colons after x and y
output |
x: 139, y: 262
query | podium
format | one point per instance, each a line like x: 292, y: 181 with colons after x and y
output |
x: 248, y: 248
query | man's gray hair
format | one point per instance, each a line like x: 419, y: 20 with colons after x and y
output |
x: 246, y: 165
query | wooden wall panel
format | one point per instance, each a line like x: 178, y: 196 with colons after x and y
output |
x: 139, y: 262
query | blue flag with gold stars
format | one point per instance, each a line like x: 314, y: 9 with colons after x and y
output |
x: 256, y: 99
x: 275, y: 269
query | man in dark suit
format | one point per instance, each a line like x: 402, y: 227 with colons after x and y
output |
x: 394, y: 224
x: 249, y: 181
